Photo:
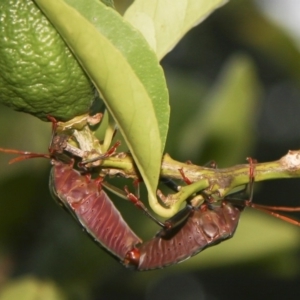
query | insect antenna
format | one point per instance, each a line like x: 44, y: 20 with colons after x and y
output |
x: 23, y: 155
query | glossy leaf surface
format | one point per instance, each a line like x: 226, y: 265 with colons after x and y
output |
x: 164, y: 23
x: 125, y: 71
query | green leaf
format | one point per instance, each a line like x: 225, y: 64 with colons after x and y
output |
x: 272, y: 42
x: 29, y: 288
x: 125, y: 71
x: 226, y: 119
x: 109, y: 3
x: 164, y: 23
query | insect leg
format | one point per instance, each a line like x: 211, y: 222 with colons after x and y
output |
x: 107, y: 154
x: 251, y: 176
x: 140, y: 205
x: 273, y: 211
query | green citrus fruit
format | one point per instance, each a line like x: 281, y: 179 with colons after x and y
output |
x: 38, y: 73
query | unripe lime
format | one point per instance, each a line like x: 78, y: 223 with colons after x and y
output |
x: 38, y: 73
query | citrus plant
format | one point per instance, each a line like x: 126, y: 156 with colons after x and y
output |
x: 39, y: 74
x: 121, y: 64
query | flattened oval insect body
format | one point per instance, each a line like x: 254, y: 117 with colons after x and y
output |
x: 202, y: 229
x: 189, y: 232
x: 92, y: 208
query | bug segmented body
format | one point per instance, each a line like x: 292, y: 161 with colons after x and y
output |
x: 96, y: 213
x: 204, y: 228
x: 92, y: 208
x: 189, y: 232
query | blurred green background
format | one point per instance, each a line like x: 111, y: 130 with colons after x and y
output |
x: 235, y: 92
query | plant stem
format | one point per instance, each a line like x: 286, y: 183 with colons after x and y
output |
x: 217, y: 183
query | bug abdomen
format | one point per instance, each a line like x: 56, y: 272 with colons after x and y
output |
x: 201, y: 230
x: 104, y: 223
x: 93, y: 209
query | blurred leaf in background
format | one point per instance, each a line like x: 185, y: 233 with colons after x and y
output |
x: 224, y: 123
x: 29, y: 288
